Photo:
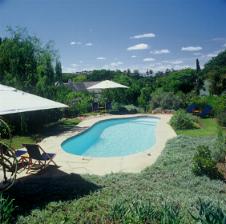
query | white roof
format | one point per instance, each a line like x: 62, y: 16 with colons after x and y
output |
x: 107, y: 84
x: 16, y: 101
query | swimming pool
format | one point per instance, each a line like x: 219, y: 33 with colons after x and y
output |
x: 114, y: 137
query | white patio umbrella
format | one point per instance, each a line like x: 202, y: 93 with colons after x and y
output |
x: 107, y: 84
x: 16, y: 101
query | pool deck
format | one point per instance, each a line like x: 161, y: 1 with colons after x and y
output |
x: 69, y: 163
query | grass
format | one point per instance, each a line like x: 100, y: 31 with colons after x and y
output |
x: 170, y: 179
x: 208, y: 127
x: 50, y: 129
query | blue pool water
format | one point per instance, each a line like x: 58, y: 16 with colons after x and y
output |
x: 114, y: 137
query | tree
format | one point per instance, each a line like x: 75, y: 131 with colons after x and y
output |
x: 215, y: 72
x: 198, y: 69
x: 58, y: 71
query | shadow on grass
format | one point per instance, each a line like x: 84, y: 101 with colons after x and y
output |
x: 51, y: 184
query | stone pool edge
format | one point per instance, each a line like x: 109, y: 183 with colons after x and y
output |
x: 104, y: 165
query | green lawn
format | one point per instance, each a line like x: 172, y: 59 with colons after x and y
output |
x: 209, y: 127
x: 51, y: 129
x: 72, y: 198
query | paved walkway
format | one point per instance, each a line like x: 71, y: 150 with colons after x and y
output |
x: 100, y: 166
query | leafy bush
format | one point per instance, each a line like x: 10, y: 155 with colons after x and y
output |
x: 79, y: 103
x: 4, y: 129
x: 221, y: 117
x: 219, y: 151
x: 6, y: 210
x: 166, y: 100
x: 218, y: 103
x: 203, y: 164
x: 208, y: 213
x: 182, y: 120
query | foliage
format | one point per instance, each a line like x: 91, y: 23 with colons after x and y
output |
x: 208, y: 127
x: 221, y: 117
x: 203, y: 164
x: 166, y: 100
x: 6, y: 210
x: 27, y: 65
x: 79, y: 103
x: 5, y: 130
x: 143, y: 211
x: 218, y: 103
x: 215, y: 71
x: 208, y: 213
x: 169, y: 179
x: 182, y: 120
x: 184, y: 80
x: 219, y: 151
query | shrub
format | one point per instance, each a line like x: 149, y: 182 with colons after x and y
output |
x: 6, y: 210
x: 166, y: 100
x: 4, y: 129
x: 182, y: 120
x: 208, y: 213
x: 203, y: 164
x: 219, y: 151
x: 218, y: 103
x: 221, y: 117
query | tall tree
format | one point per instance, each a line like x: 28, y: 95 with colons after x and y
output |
x: 58, y: 71
x: 198, y: 69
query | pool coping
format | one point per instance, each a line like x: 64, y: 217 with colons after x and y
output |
x: 133, y: 163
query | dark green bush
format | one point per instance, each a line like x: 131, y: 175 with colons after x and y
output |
x: 218, y: 103
x: 221, y: 117
x: 182, y: 120
x: 6, y: 210
x: 203, y: 164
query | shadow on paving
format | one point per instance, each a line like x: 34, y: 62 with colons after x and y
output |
x: 58, y: 130
x: 51, y: 184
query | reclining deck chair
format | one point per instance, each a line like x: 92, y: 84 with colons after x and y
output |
x: 36, y: 152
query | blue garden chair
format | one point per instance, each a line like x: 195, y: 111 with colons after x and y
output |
x: 191, y: 108
x: 206, y: 111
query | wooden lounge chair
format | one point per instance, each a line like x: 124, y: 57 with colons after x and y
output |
x: 37, y: 153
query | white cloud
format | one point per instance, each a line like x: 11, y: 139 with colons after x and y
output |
x: 191, y: 48
x: 89, y: 44
x: 211, y: 55
x: 75, y: 43
x: 133, y: 56
x: 224, y: 45
x: 148, y: 59
x: 138, y: 47
x: 100, y: 58
x: 116, y: 64
x: 162, y: 67
x: 145, y: 35
x: 175, y: 62
x: 162, y: 51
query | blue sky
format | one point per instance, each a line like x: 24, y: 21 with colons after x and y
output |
x: 121, y: 34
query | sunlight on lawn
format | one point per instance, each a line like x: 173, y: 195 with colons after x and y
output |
x: 209, y: 127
